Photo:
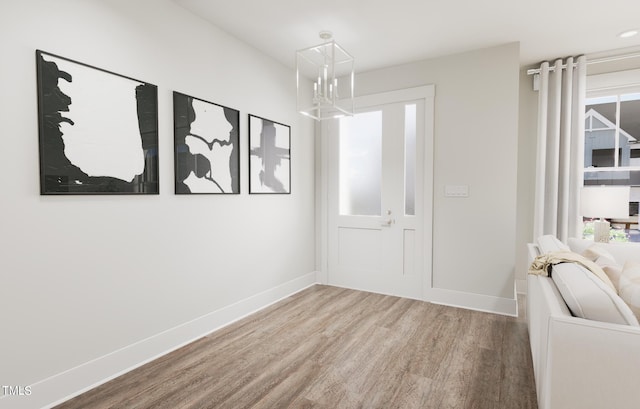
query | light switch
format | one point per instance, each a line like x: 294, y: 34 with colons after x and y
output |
x: 456, y: 191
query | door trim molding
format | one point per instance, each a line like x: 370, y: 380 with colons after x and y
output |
x: 425, y: 93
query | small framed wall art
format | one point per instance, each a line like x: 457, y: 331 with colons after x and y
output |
x: 98, y: 130
x: 207, y: 151
x: 269, y: 156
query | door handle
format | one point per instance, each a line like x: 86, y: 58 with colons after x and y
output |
x: 387, y: 223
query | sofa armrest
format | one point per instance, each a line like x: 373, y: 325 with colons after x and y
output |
x: 543, y: 301
x: 591, y: 365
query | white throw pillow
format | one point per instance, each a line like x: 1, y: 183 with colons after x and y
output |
x: 629, y: 289
x: 587, y: 296
x: 604, y: 261
x: 614, y: 272
x: 597, y: 251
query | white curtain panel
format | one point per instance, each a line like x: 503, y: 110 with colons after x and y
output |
x: 560, y: 151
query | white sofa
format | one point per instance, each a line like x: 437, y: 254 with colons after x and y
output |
x: 581, y: 363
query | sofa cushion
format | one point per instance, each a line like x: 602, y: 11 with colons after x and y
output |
x: 588, y: 297
x: 629, y: 288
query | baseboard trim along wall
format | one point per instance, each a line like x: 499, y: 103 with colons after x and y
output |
x: 478, y: 302
x: 63, y: 386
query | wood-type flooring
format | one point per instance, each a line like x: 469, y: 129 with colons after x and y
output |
x: 329, y: 347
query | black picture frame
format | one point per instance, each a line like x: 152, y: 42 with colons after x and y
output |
x: 98, y: 130
x: 269, y: 156
x: 206, y: 146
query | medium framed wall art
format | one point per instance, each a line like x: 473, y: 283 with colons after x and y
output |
x: 98, y: 130
x: 207, y: 151
x: 269, y: 156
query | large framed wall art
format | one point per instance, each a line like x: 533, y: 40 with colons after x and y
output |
x: 98, y: 130
x: 207, y: 151
x: 269, y: 156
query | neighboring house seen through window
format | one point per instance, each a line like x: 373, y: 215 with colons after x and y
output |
x: 612, y: 140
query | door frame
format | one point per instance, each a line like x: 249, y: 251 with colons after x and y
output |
x: 425, y: 93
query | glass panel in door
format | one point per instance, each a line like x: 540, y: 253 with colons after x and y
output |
x: 360, y: 164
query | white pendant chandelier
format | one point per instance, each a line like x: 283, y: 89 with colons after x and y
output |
x: 324, y: 77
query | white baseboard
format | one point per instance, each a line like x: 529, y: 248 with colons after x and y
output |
x: 478, y: 302
x: 72, y: 382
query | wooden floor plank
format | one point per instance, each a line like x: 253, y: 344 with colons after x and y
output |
x: 334, y: 348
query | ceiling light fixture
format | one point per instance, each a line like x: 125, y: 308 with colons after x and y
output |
x: 628, y: 33
x: 324, y: 80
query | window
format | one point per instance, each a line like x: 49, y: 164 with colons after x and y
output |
x: 612, y: 133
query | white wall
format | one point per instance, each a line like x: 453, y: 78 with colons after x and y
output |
x: 476, y: 144
x: 85, y: 276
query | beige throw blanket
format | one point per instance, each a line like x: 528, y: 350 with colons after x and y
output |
x: 542, y: 264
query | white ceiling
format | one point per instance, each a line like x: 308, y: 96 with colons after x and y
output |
x: 380, y: 33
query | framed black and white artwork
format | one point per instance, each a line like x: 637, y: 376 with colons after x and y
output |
x: 269, y: 156
x: 98, y: 130
x: 207, y: 148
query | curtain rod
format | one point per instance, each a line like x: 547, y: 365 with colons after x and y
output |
x: 589, y: 62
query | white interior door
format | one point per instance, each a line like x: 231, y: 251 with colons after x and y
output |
x: 375, y: 198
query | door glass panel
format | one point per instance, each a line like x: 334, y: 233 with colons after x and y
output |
x: 410, y: 159
x: 360, y: 164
